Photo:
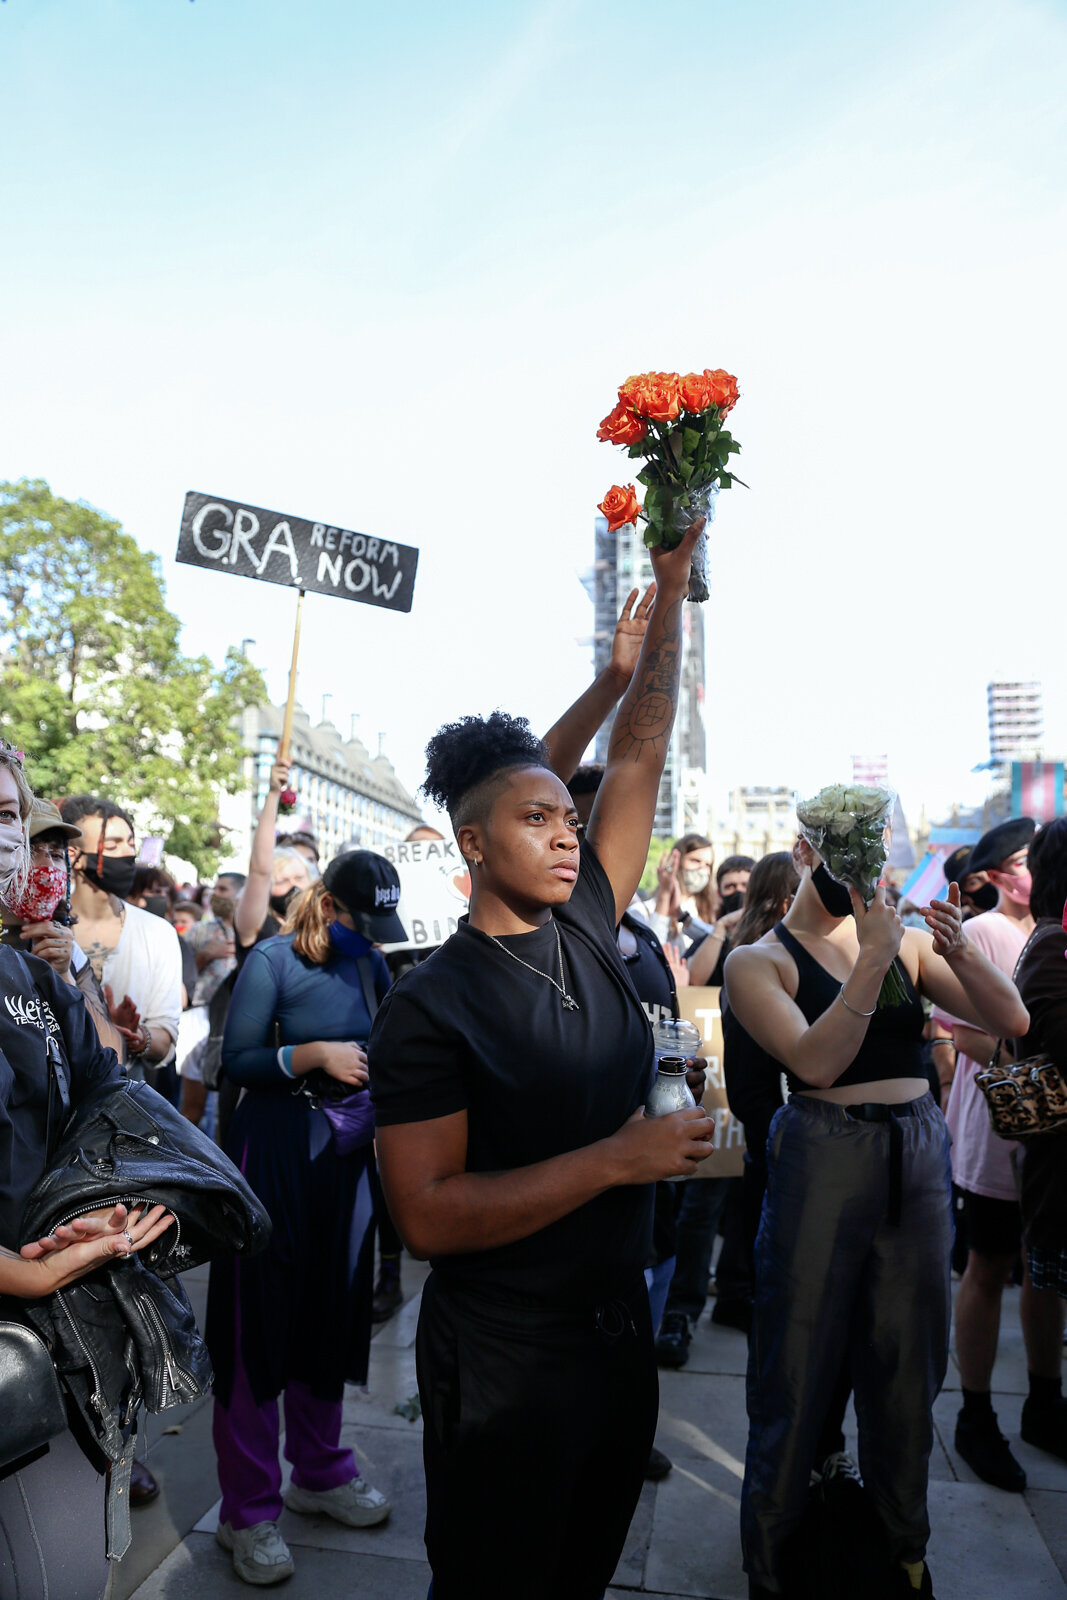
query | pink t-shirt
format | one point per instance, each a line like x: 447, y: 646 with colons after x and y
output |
x: 981, y: 1161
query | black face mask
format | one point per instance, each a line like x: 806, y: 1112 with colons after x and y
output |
x: 280, y: 903
x: 985, y: 897
x: 834, y: 896
x: 115, y: 876
x: 731, y: 902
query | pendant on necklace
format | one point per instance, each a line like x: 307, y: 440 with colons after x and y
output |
x: 570, y: 1004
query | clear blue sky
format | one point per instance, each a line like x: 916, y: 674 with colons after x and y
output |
x: 385, y: 266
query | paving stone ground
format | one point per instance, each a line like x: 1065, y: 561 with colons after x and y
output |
x: 986, y: 1545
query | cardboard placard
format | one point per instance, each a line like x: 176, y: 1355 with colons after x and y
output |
x: 278, y: 548
x: 702, y: 1008
x: 435, y: 890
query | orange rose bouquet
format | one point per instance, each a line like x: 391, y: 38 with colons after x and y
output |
x: 677, y: 425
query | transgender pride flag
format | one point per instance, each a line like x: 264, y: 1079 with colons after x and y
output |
x: 1037, y: 789
x: 927, y: 882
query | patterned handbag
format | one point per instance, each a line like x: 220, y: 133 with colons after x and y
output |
x: 1029, y: 1098
x: 1024, y: 1100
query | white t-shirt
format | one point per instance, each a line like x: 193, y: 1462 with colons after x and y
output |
x: 981, y: 1160
x: 146, y: 964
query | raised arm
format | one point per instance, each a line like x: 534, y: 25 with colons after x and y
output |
x: 255, y: 896
x: 817, y: 1052
x: 956, y: 976
x: 621, y: 823
x: 568, y: 738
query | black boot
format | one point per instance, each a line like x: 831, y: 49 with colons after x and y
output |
x: 984, y: 1448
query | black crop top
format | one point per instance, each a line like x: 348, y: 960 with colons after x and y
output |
x: 892, y: 1047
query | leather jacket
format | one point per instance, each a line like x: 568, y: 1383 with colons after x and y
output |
x: 125, y: 1335
x: 126, y: 1143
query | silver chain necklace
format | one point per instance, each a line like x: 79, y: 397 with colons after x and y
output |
x: 569, y: 1002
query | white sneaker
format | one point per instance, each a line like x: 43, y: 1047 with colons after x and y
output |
x: 260, y: 1554
x: 354, y: 1503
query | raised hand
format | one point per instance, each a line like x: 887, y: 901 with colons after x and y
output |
x: 671, y: 567
x: 279, y: 775
x: 669, y: 892
x: 944, y: 918
x: 879, y: 928
x: 629, y: 631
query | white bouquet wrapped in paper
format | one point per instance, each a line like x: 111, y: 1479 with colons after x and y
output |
x: 848, y: 824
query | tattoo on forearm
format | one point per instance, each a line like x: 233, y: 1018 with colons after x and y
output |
x: 646, y: 716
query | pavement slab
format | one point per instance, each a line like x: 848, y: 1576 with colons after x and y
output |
x: 683, y: 1541
x: 200, y: 1570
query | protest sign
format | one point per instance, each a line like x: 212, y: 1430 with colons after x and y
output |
x: 278, y: 548
x: 435, y: 890
x: 702, y: 1008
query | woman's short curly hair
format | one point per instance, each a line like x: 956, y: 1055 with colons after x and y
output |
x: 465, y: 758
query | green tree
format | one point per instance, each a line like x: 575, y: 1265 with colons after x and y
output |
x: 93, y: 683
x: 657, y: 849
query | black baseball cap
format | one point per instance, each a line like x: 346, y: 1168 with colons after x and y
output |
x: 368, y: 887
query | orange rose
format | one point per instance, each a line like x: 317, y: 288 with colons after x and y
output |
x: 619, y: 506
x: 723, y: 387
x: 695, y: 391
x: 622, y: 427
x: 653, y: 394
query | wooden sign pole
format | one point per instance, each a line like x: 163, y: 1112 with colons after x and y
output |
x: 287, y: 724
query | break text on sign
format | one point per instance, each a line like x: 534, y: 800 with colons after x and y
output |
x: 277, y: 547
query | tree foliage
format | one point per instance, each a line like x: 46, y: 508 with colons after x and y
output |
x: 93, y: 682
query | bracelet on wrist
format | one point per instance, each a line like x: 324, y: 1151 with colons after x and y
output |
x: 855, y: 1012
x: 142, y: 1050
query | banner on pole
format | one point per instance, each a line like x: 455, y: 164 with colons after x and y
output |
x: 1037, y: 789
x: 435, y: 890
x: 278, y: 548
x: 702, y: 1007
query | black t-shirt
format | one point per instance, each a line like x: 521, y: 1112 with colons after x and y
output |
x: 39, y: 1013
x: 472, y: 1030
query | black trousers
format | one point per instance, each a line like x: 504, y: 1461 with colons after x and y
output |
x: 538, y: 1424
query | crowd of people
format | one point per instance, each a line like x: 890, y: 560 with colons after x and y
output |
x: 482, y: 1105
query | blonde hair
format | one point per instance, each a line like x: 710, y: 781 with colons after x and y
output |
x: 307, y: 919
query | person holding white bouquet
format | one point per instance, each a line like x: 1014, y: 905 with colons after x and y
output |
x: 852, y: 1260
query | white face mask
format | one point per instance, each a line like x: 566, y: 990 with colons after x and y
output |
x: 14, y: 859
x: 695, y: 879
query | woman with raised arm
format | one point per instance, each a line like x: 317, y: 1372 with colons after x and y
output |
x: 275, y: 876
x: 508, y: 1073
x: 852, y: 1259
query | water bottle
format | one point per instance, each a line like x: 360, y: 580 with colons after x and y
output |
x: 674, y: 1041
x: 669, y: 1092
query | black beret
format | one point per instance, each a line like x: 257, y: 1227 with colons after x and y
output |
x: 957, y: 864
x: 1005, y: 840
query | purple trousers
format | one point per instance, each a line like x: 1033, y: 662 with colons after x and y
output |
x: 246, y: 1443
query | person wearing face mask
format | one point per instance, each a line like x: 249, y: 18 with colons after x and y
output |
x: 707, y: 954
x: 852, y: 1257
x: 984, y: 1172
x: 977, y: 894
x: 297, y: 1318
x: 684, y: 907
x: 276, y: 875
x: 134, y: 955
